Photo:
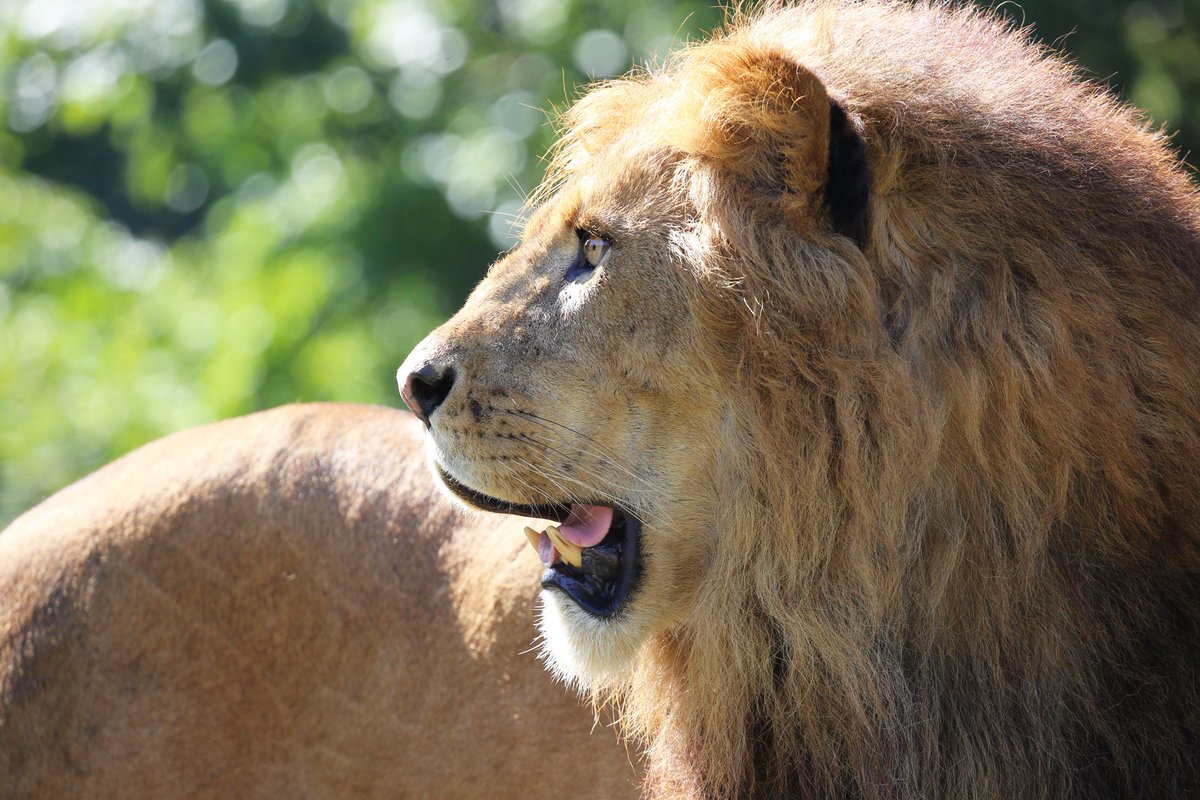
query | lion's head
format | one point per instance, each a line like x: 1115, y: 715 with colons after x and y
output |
x: 854, y: 352
x: 610, y: 369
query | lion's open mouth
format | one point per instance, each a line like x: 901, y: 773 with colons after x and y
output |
x: 591, y: 556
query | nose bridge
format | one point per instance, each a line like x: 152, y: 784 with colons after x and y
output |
x: 507, y: 305
x: 494, y: 313
x: 454, y: 337
x: 471, y: 329
x: 461, y: 352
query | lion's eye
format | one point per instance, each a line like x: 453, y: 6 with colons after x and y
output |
x: 593, y: 249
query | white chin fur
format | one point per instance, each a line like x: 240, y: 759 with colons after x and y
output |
x: 581, y: 650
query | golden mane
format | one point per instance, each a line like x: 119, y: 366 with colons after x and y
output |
x: 961, y: 540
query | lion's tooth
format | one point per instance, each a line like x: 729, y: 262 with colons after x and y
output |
x: 572, y: 554
x: 532, y: 536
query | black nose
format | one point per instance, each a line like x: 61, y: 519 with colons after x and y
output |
x: 426, y: 388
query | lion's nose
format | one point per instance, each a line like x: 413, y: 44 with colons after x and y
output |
x: 426, y: 388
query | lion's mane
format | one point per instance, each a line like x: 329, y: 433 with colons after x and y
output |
x: 958, y: 555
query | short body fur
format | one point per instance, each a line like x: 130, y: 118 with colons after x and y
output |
x: 279, y: 606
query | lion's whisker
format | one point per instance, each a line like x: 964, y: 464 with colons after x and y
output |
x: 603, y: 451
x: 617, y: 489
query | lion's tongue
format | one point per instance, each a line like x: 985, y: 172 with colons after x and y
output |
x: 586, y: 525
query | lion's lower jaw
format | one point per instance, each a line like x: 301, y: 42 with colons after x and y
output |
x: 583, y: 651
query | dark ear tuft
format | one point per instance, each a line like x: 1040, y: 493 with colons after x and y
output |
x: 847, y: 184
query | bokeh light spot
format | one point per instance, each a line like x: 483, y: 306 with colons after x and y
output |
x: 263, y: 13
x: 187, y: 188
x: 36, y: 93
x: 600, y: 54
x: 348, y: 90
x: 216, y: 63
x: 415, y: 93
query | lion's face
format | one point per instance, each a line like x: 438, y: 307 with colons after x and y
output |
x: 597, y: 376
x: 579, y: 378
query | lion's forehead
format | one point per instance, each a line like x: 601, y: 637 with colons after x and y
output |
x: 618, y: 187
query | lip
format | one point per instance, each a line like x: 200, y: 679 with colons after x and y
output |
x: 602, y: 596
x: 553, y: 511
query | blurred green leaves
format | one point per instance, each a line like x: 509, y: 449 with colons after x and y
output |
x: 212, y: 207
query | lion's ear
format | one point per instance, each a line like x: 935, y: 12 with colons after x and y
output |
x: 768, y: 122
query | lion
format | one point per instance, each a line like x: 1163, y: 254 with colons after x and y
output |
x: 280, y: 606
x: 850, y: 359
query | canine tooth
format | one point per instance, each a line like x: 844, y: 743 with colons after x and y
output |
x: 532, y: 536
x: 570, y: 553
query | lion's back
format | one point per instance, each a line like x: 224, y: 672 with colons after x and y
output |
x: 267, y: 607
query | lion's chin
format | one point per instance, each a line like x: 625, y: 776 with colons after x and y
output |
x: 583, y: 650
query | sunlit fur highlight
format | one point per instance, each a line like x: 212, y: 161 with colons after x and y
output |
x: 957, y: 551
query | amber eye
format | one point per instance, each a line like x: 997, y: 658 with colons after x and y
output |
x: 595, y: 248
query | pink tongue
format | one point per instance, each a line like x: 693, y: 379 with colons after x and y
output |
x: 587, y: 525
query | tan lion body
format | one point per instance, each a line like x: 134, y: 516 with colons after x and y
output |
x: 279, y: 606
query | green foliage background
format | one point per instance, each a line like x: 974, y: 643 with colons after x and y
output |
x: 209, y: 207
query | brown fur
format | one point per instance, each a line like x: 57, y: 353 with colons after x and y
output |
x: 922, y: 518
x: 279, y: 606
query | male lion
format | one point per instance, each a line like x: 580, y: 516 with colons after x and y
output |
x: 856, y: 353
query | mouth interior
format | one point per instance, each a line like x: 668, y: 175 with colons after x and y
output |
x: 608, y: 572
x: 609, y: 563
